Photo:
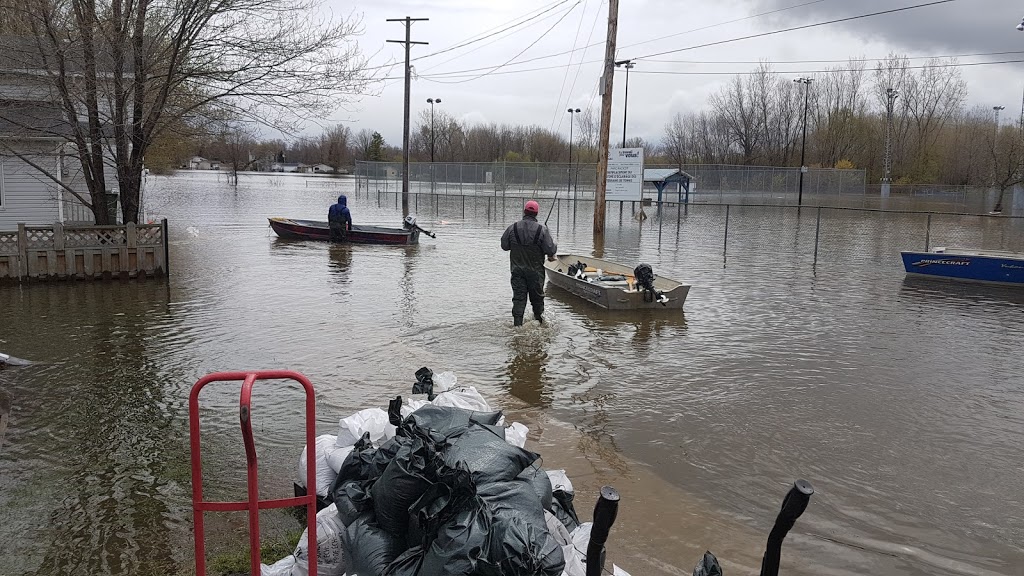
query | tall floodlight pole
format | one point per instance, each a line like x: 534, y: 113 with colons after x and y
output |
x: 432, y: 101
x: 803, y: 145
x: 408, y: 89
x: 890, y: 98
x: 572, y: 118
x: 625, y: 103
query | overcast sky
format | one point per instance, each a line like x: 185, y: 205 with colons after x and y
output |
x: 541, y: 97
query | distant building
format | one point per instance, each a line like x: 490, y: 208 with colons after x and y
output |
x: 286, y: 167
x: 321, y: 169
x: 200, y: 163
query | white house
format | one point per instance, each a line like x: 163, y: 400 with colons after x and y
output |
x: 36, y: 152
x: 286, y: 167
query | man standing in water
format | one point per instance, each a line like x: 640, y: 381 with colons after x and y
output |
x: 339, y: 219
x: 527, y: 242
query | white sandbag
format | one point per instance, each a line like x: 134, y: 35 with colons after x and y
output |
x: 411, y: 405
x: 328, y: 545
x: 282, y: 567
x: 372, y: 420
x: 516, y: 433
x: 581, y: 537
x: 559, y: 480
x: 557, y: 529
x: 463, y: 397
x: 445, y: 381
x: 337, y: 456
x: 575, y: 561
x: 325, y: 475
x: 616, y: 571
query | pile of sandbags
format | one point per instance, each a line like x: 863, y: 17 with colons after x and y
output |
x: 438, y: 487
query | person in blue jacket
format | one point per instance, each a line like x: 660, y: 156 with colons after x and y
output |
x: 340, y: 220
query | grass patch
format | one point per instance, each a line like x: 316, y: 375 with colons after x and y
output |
x: 271, y: 550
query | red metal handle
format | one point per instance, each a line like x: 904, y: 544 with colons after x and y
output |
x: 253, y: 505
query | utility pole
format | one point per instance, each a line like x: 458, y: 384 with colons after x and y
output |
x: 408, y: 88
x: 890, y: 98
x: 625, y: 102
x: 607, y: 82
x: 803, y: 146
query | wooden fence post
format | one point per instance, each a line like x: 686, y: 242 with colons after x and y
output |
x: 22, y: 251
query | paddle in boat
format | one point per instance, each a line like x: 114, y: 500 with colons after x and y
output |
x: 408, y: 234
x: 615, y: 286
x: 989, y: 266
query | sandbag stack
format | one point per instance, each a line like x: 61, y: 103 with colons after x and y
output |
x: 439, y: 489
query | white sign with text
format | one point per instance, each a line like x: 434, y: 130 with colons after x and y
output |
x: 625, y: 174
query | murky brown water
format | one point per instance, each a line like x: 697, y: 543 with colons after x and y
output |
x: 902, y: 402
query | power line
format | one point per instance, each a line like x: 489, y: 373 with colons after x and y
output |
x: 919, y: 67
x: 794, y: 28
x: 579, y: 67
x: 558, y: 101
x: 509, y: 61
x: 845, y: 60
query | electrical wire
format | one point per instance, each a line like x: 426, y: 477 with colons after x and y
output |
x: 558, y: 101
x: 920, y: 67
x: 579, y: 67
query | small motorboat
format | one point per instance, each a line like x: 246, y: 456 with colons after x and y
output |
x: 990, y: 266
x: 292, y: 229
x: 615, y: 286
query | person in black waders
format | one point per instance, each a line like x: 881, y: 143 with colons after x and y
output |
x: 527, y: 242
x: 339, y: 219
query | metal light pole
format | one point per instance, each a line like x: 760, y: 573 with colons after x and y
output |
x: 890, y: 99
x: 803, y: 146
x: 625, y: 104
x: 1020, y: 26
x: 432, y: 101
x: 572, y: 118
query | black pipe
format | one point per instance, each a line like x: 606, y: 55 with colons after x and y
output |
x: 792, y: 507
x: 605, y: 510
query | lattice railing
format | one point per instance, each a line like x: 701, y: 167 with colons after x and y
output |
x: 95, y: 236
x: 8, y: 243
x: 39, y: 237
x: 149, y: 235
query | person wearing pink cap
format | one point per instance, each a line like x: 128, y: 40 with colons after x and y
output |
x: 528, y: 242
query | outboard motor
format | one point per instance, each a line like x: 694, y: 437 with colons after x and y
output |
x: 410, y: 222
x: 578, y: 271
x: 644, y: 275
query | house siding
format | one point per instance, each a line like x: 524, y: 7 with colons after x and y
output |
x: 26, y: 198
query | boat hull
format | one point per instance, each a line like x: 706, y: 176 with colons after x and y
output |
x: 319, y: 230
x: 991, y: 267
x: 613, y: 297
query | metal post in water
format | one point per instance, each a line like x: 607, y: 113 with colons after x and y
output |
x: 817, y: 231
x: 620, y: 212
x: 725, y: 240
x: 928, y: 234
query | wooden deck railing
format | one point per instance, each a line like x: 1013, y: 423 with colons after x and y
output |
x: 60, y: 252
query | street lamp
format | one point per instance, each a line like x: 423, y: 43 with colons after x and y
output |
x: 1021, y: 25
x: 803, y: 145
x: 625, y: 104
x: 997, y: 110
x: 890, y: 98
x: 572, y: 114
x: 432, y: 101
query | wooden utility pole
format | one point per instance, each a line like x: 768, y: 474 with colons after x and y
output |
x: 607, y: 81
x: 408, y: 88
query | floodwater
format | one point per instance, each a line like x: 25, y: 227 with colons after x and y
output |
x: 901, y: 401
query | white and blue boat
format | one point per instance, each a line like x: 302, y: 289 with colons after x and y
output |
x: 990, y: 266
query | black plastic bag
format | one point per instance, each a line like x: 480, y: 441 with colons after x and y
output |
x: 520, y: 544
x: 365, y: 462
x: 563, y: 509
x: 439, y: 504
x: 461, y: 544
x: 487, y: 455
x: 400, y: 485
x: 369, y: 549
x: 352, y: 501
x: 408, y: 564
x: 708, y: 566
x: 538, y: 478
x: 445, y: 421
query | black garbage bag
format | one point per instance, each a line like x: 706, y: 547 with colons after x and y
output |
x: 487, y: 455
x: 708, y: 566
x: 365, y: 462
x: 563, y: 509
x: 462, y: 543
x: 439, y: 504
x: 538, y: 478
x: 445, y: 421
x: 352, y: 501
x: 520, y: 544
x: 408, y: 564
x: 369, y: 548
x: 400, y: 485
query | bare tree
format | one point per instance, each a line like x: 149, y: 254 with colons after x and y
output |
x: 131, y: 68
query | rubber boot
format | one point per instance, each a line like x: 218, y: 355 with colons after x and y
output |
x: 517, y: 320
x: 538, y: 317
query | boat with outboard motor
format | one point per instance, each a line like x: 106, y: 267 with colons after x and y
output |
x: 615, y: 286
x: 409, y: 233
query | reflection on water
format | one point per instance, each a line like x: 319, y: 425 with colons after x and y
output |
x: 900, y: 400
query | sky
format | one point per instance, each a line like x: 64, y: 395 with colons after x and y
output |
x: 535, y: 75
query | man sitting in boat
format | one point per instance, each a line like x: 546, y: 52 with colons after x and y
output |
x: 527, y: 242
x: 340, y: 219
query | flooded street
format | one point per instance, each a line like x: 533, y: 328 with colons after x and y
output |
x: 901, y: 401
